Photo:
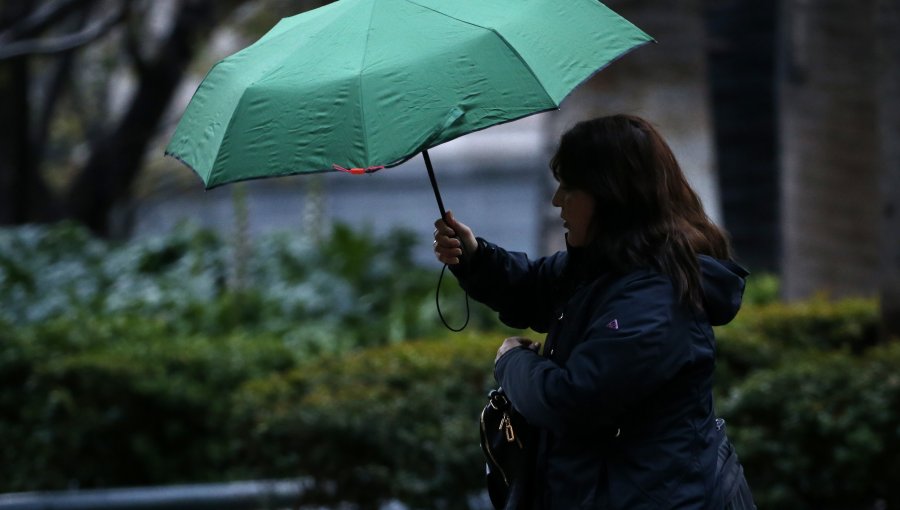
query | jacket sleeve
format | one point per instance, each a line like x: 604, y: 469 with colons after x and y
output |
x: 519, y: 289
x: 612, y: 369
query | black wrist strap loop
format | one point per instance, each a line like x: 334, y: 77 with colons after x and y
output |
x: 437, y: 303
x: 437, y: 293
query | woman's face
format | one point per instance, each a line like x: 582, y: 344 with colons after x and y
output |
x: 576, y: 211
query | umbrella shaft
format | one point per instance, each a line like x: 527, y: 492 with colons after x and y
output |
x: 434, y: 185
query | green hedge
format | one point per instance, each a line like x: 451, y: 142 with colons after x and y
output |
x: 122, y: 363
x: 124, y: 401
x: 821, y: 430
x: 396, y: 422
x: 763, y: 336
x: 813, y: 403
x: 126, y: 404
x: 388, y: 422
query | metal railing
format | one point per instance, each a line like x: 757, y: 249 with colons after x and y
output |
x: 248, y: 495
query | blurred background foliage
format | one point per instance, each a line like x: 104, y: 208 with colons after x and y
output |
x: 144, y: 363
x: 350, y: 290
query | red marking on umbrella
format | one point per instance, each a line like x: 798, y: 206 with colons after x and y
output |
x: 356, y: 171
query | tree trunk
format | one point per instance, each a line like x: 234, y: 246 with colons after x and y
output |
x: 830, y: 161
x: 24, y: 197
x: 116, y: 158
x: 16, y: 161
x: 116, y: 154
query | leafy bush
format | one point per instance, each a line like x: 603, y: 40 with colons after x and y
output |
x: 806, y: 391
x: 395, y: 422
x: 387, y: 422
x: 821, y: 430
x: 349, y: 291
x: 762, y: 289
x: 48, y: 272
x: 119, y: 362
x: 124, y: 404
x: 764, y: 336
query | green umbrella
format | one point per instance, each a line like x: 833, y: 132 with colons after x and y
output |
x: 359, y: 85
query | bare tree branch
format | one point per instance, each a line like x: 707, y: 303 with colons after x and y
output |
x: 65, y: 42
x: 117, y: 147
x: 57, y: 82
x: 46, y: 15
x: 133, y: 48
x: 116, y: 158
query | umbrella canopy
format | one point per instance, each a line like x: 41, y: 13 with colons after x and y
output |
x: 367, y: 84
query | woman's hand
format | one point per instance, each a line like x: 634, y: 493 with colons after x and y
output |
x: 449, y: 237
x: 516, y: 341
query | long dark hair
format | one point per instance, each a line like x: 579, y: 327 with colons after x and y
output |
x: 645, y: 212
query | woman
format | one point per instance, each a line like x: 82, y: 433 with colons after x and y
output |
x: 622, y: 391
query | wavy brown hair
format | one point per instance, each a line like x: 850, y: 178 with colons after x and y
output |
x: 645, y: 212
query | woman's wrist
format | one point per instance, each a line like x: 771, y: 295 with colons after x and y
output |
x: 470, y: 245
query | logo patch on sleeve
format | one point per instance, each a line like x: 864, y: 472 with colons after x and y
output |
x: 613, y: 324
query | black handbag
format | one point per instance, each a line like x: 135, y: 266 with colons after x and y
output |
x: 508, y: 444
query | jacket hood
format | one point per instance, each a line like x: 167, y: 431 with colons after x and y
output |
x: 722, y: 281
x: 723, y: 288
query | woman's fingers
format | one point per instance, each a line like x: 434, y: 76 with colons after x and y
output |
x: 448, y: 242
x: 447, y: 253
x: 446, y: 247
x: 462, y: 232
x: 516, y: 341
x: 442, y: 229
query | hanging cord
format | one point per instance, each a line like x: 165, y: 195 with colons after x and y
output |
x: 437, y: 292
x: 437, y: 298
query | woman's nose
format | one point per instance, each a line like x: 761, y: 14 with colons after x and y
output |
x: 556, y: 201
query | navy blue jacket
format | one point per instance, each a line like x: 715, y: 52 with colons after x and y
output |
x: 623, y: 391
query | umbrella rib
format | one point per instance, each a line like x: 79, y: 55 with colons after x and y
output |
x: 359, y: 78
x: 499, y: 36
